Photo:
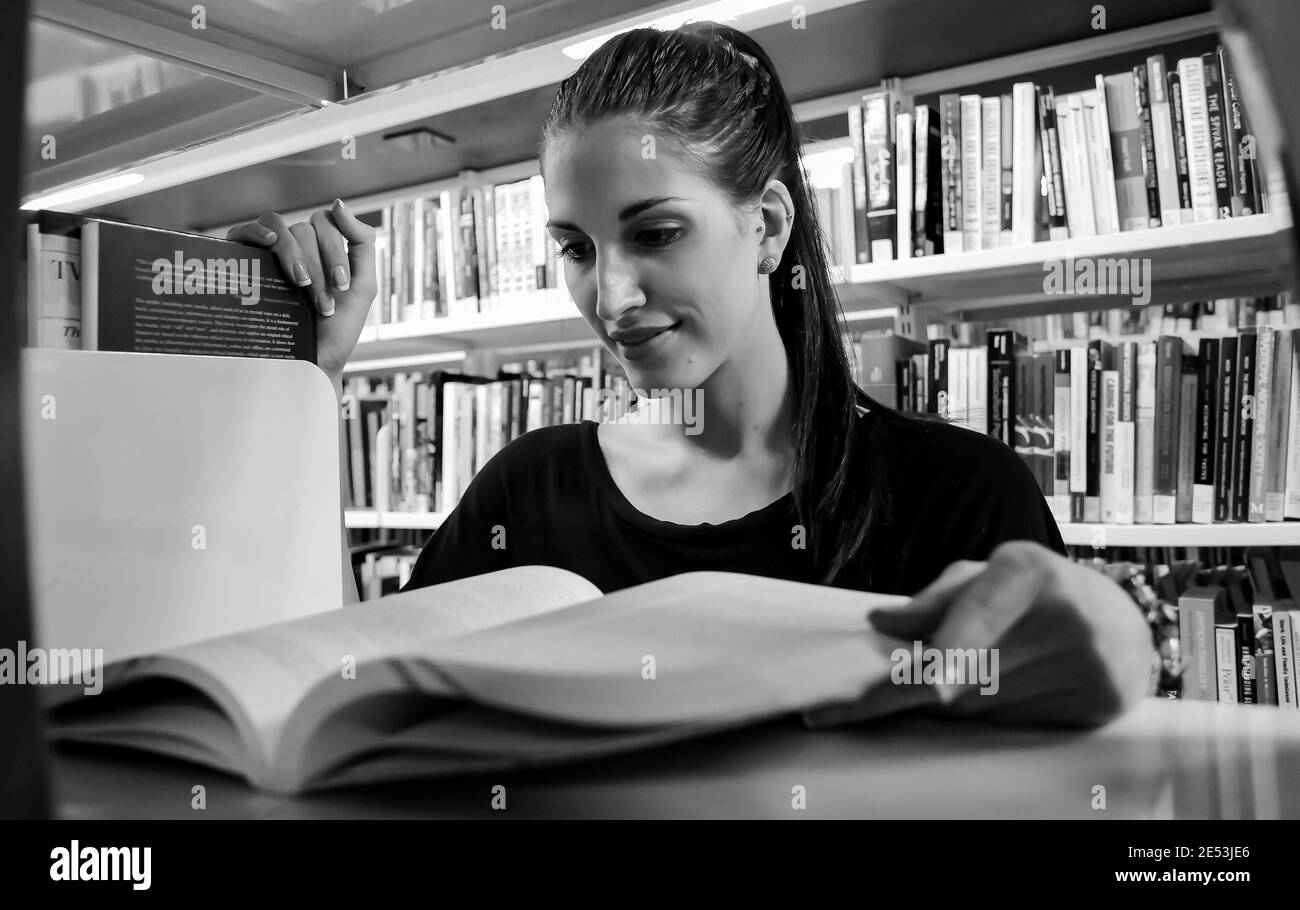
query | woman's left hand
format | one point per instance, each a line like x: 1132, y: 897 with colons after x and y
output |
x: 1072, y: 648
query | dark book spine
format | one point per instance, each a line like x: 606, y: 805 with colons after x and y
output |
x: 1092, y: 453
x: 927, y: 223
x: 1245, y: 421
x: 1142, y: 96
x: 1008, y: 173
x: 1000, y: 393
x: 1056, y: 215
x: 903, y: 384
x: 1040, y: 425
x: 937, y: 381
x: 1241, y: 144
x: 1246, y: 694
x: 1061, y: 429
x: 1169, y: 371
x: 1180, y: 140
x: 1226, y: 395
x: 1022, y: 432
x: 1206, y: 414
x: 950, y: 153
x: 1218, y: 134
x: 882, y: 196
x: 861, y: 245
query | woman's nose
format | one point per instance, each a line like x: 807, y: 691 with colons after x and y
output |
x: 617, y: 290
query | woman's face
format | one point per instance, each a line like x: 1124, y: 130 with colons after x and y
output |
x: 670, y: 288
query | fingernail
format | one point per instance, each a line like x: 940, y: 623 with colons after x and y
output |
x: 341, y: 278
x: 269, y: 235
x: 329, y: 312
x: 325, y: 304
x: 339, y: 203
x: 300, y: 275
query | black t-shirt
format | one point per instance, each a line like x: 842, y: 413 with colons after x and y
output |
x: 548, y: 498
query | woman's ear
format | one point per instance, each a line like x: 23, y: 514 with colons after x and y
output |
x: 777, y: 209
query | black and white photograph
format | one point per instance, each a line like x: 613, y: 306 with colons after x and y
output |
x: 883, y: 411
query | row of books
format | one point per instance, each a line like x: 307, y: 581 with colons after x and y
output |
x: 467, y: 249
x: 1153, y: 430
x: 442, y: 426
x: 1140, y: 149
x: 1226, y: 627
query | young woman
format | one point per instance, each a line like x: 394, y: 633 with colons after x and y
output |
x: 690, y: 243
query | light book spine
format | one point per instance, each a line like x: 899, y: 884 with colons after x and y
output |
x: 1196, y: 635
x: 1163, y: 134
x: 958, y: 365
x: 972, y: 183
x: 991, y: 173
x: 1144, y: 450
x: 1265, y: 343
x: 1078, y: 432
x: 1026, y: 163
x: 1126, y: 433
x: 1079, y: 160
x: 1284, y: 665
x: 1225, y: 659
x: 1126, y: 151
x: 1279, y: 417
x: 977, y: 377
x: 1291, y: 507
x: 1200, y: 169
x: 1109, y: 485
x: 906, y: 183
x: 1107, y: 157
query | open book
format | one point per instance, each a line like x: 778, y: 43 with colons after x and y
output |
x: 525, y: 666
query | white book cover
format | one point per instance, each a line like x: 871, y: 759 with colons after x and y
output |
x: 1026, y: 164
x: 1225, y: 658
x: 1078, y: 192
x: 1162, y: 129
x: 1291, y: 499
x: 958, y: 370
x: 1196, y: 122
x: 450, y: 455
x: 1082, y: 167
x: 1144, y: 451
x: 1282, y: 395
x: 972, y: 183
x: 1109, y: 483
x: 991, y: 173
x: 1107, y: 162
x: 904, y: 183
x: 53, y: 290
x: 977, y: 384
x: 1125, y: 437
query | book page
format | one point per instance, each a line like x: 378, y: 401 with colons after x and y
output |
x: 258, y: 677
x: 701, y: 647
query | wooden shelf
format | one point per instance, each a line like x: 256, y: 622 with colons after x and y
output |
x: 1264, y: 534
x: 1236, y: 257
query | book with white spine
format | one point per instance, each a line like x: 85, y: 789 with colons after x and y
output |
x: 1196, y: 118
x: 972, y: 183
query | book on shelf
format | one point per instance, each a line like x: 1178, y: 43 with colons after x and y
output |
x: 1175, y: 414
x: 1154, y: 145
x: 95, y: 284
x: 1223, y: 619
x: 522, y: 667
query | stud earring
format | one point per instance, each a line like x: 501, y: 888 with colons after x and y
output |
x: 767, y: 266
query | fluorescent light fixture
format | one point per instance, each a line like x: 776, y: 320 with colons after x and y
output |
x: 85, y: 191
x: 719, y: 11
x: 825, y: 169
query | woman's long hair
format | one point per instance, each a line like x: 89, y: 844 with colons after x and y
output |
x: 714, y: 90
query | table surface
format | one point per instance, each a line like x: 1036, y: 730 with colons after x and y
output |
x: 1164, y: 759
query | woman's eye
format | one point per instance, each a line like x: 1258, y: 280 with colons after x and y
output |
x: 672, y: 235
x: 567, y: 251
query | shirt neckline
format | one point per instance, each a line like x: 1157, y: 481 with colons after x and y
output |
x: 598, y: 469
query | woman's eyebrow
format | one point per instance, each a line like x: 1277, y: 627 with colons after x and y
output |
x: 630, y: 211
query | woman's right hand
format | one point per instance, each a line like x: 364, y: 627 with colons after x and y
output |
x: 331, y: 256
